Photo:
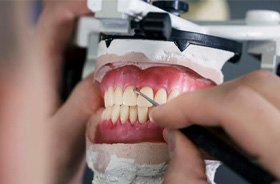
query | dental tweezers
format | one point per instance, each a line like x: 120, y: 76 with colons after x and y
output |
x: 220, y: 150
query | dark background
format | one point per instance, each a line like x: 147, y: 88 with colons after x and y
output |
x: 247, y: 63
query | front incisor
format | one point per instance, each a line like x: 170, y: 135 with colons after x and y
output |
x: 173, y: 94
x: 124, y: 113
x: 115, y: 113
x: 107, y: 113
x: 129, y: 97
x: 142, y: 114
x: 133, y: 114
x: 149, y: 114
x: 142, y: 102
x: 109, y: 97
x: 118, y: 95
x: 161, y: 96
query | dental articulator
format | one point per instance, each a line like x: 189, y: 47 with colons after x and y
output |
x: 159, y: 21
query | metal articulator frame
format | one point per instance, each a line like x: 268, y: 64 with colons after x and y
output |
x: 266, y: 51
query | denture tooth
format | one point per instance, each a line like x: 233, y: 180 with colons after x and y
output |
x: 103, y: 116
x: 124, y: 113
x: 142, y: 114
x: 115, y: 113
x: 161, y: 96
x: 107, y: 113
x: 173, y: 94
x: 118, y: 94
x: 142, y: 102
x: 149, y: 114
x: 109, y: 97
x: 129, y: 97
x: 133, y: 114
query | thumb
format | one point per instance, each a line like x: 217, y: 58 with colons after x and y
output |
x: 186, y: 165
x: 85, y: 101
x: 68, y: 126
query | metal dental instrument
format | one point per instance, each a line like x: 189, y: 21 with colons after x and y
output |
x: 137, y: 91
x: 220, y: 150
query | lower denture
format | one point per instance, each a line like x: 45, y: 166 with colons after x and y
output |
x: 110, y: 133
x: 161, y: 83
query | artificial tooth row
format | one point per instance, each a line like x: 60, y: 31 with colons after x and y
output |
x: 129, y: 98
x: 125, y: 113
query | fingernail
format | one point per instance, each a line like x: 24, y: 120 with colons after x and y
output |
x: 152, y: 112
x: 151, y: 115
x: 165, y: 134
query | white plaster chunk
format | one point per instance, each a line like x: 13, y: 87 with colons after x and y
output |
x: 211, y: 168
x: 126, y: 171
x: 114, y: 169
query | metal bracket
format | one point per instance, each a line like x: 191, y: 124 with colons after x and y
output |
x: 277, y: 66
x: 88, y: 25
x: 91, y: 54
x: 266, y: 50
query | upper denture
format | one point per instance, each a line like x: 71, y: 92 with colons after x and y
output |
x: 166, y: 77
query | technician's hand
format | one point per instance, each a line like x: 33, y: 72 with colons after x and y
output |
x: 53, y: 34
x: 246, y: 108
x: 66, y: 122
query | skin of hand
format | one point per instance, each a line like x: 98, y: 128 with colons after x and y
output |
x: 247, y: 109
x: 51, y: 134
x: 68, y: 122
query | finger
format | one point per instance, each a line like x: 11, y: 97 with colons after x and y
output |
x: 92, y: 125
x: 186, y: 165
x: 245, y: 115
x: 68, y: 129
x: 51, y: 36
x: 263, y: 82
x: 85, y: 101
x: 56, y: 23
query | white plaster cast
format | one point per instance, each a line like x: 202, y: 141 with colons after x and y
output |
x: 144, y: 53
x: 143, y: 163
